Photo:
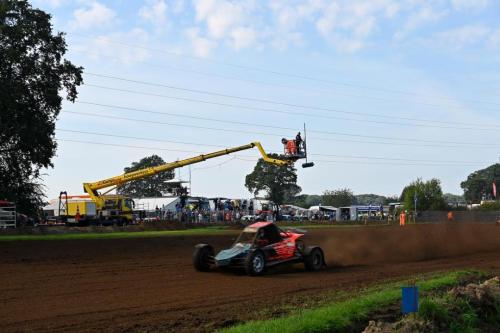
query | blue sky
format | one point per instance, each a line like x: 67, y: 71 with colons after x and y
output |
x: 390, y: 90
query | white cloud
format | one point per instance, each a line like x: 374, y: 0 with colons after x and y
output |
x: 469, y: 4
x: 463, y: 36
x: 201, y: 46
x: 326, y: 23
x: 155, y: 11
x: 92, y: 16
x: 282, y: 40
x: 243, y: 37
x: 51, y: 3
x: 115, y: 45
x: 423, y: 16
x: 178, y: 6
x: 236, y: 23
x: 348, y: 24
x: 494, y: 39
x: 222, y: 16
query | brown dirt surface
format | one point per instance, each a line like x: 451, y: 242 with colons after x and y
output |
x: 149, y: 285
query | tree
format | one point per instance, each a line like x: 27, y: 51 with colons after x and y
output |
x: 429, y: 195
x: 391, y: 199
x: 338, y: 198
x: 154, y: 186
x: 478, y: 185
x: 278, y: 181
x: 305, y: 200
x: 32, y: 74
x: 370, y: 199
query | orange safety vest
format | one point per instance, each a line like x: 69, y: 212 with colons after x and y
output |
x: 450, y: 216
x: 402, y: 219
x: 291, y: 147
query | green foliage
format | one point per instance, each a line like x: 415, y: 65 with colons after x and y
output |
x: 367, y: 199
x: 478, y: 184
x: 121, y: 234
x: 154, y: 186
x: 433, y: 309
x: 429, y: 195
x: 455, y: 314
x: 391, y: 199
x: 490, y: 206
x: 32, y: 74
x: 338, y: 198
x: 305, y: 200
x: 278, y: 181
x: 339, y: 316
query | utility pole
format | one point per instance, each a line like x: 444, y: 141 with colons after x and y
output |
x: 415, y: 198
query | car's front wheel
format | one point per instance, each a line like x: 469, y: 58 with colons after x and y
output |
x: 203, y: 257
x: 255, y: 263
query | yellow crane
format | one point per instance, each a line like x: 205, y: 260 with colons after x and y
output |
x: 118, y: 208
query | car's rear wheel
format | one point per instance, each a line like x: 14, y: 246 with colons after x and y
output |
x: 203, y: 257
x: 255, y: 263
x: 314, y: 259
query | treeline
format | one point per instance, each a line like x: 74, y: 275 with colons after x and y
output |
x: 427, y: 195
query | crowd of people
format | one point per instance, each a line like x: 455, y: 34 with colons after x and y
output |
x: 224, y: 210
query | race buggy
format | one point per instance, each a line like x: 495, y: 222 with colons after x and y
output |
x: 259, y: 246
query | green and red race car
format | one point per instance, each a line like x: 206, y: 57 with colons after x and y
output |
x: 259, y: 246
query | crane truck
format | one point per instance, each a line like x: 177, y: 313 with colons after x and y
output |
x: 105, y: 208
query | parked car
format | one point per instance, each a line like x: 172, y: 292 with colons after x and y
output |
x: 286, y: 217
x: 248, y: 218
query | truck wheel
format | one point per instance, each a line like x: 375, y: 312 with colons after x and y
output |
x: 255, y: 263
x: 314, y: 259
x: 203, y: 257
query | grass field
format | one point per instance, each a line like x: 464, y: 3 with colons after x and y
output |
x: 121, y: 234
x: 339, y: 316
x: 207, y: 230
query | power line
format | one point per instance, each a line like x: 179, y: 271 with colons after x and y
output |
x: 279, y: 127
x: 285, y: 74
x: 282, y: 111
x: 166, y: 123
x: 223, y: 147
x: 210, y: 93
x: 326, y: 161
x: 259, y: 133
x: 316, y: 91
x: 216, y: 165
x: 139, y: 138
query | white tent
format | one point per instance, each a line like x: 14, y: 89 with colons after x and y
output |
x: 150, y: 204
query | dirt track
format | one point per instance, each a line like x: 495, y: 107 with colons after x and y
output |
x: 148, y: 285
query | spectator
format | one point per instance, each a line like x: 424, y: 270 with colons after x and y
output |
x: 450, y: 216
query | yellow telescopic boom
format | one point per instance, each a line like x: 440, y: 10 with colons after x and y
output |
x: 91, y: 188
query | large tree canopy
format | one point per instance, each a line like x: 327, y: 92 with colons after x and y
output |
x: 429, y: 195
x: 279, y: 182
x: 479, y: 184
x: 154, y: 186
x: 338, y: 198
x: 32, y: 74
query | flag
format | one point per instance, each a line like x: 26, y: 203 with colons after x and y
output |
x: 494, y: 190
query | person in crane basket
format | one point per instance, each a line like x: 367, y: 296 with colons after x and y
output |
x: 293, y: 147
x: 290, y: 147
x: 298, y: 141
